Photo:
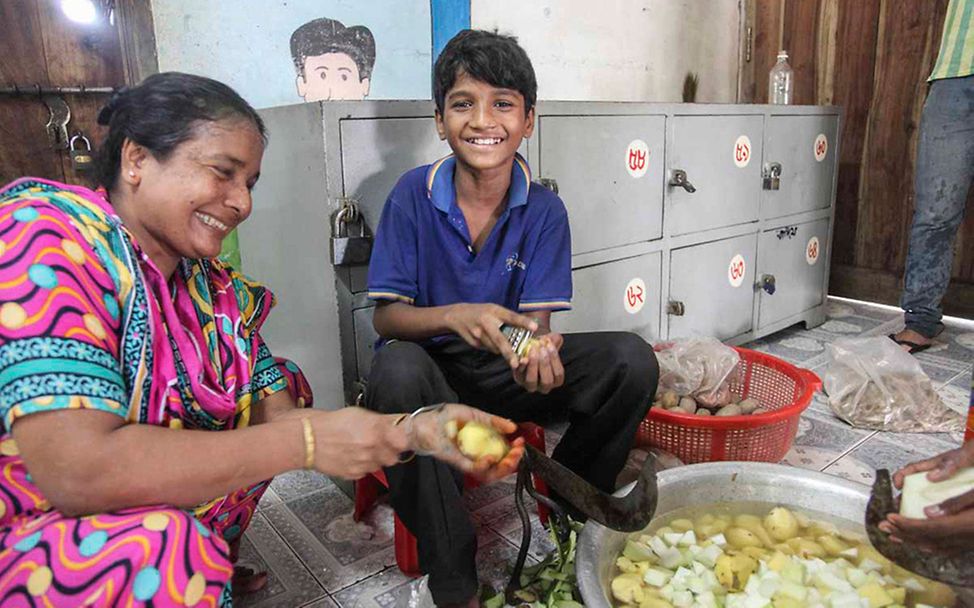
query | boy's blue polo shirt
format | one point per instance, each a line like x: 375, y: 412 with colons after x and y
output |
x: 423, y: 253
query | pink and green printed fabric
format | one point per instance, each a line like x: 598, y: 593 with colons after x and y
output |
x: 88, y: 322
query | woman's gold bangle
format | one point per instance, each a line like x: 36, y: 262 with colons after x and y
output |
x: 309, y: 444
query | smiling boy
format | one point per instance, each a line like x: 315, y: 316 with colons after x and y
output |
x: 464, y: 245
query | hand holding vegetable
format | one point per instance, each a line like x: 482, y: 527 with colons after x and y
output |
x: 434, y: 433
x: 949, y: 524
x: 479, y: 326
x: 541, y: 370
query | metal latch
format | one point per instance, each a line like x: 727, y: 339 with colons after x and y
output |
x: 772, y: 176
x: 678, y: 178
x: 767, y: 283
x: 675, y: 308
x: 787, y: 231
x: 549, y: 183
x: 349, y: 250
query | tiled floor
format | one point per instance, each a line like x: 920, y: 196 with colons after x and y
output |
x: 304, y: 536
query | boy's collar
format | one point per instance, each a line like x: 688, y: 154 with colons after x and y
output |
x: 440, y: 189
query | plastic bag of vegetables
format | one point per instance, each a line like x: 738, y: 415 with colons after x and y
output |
x: 697, y: 367
x: 874, y: 384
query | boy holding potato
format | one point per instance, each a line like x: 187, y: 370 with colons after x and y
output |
x: 463, y: 246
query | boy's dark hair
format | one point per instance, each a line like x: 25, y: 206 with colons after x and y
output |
x: 161, y: 113
x: 323, y: 36
x: 487, y: 56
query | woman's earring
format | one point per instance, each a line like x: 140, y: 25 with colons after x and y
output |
x: 131, y: 173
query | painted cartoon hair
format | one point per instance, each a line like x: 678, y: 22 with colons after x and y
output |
x: 162, y: 112
x: 490, y: 57
x: 322, y: 36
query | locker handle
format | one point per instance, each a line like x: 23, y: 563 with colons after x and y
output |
x: 675, y: 308
x: 767, y: 284
x: 678, y: 178
x: 550, y: 183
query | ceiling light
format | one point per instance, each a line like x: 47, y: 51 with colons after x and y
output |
x: 80, y: 11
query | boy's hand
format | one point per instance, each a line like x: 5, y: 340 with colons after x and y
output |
x: 480, y: 326
x: 950, y: 526
x: 541, y: 370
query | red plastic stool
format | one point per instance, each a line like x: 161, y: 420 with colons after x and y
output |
x: 368, y: 488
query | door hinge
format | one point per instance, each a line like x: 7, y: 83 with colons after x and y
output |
x: 748, y: 41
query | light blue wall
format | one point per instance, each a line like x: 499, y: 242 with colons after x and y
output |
x: 245, y: 43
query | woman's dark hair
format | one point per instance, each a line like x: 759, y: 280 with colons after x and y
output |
x: 487, y: 56
x: 161, y: 113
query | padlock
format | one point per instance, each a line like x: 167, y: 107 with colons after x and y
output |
x: 772, y: 176
x: 349, y: 250
x: 81, y: 160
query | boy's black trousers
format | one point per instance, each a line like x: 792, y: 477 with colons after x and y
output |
x: 610, y: 378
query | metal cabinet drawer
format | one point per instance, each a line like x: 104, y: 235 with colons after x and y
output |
x: 609, y: 171
x: 721, y: 157
x: 622, y: 295
x: 796, y: 257
x: 712, y: 288
x: 805, y: 148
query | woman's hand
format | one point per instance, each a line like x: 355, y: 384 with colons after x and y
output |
x: 427, y: 434
x: 541, y: 370
x: 480, y: 326
x: 950, y: 526
x: 351, y: 442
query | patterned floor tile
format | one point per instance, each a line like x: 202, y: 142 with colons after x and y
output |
x: 270, y: 498
x: 886, y: 451
x: 325, y: 602
x: 337, y: 550
x: 289, y: 582
x: 295, y: 484
x: 512, y: 529
x: 495, y: 555
x: 941, y: 369
x: 826, y: 432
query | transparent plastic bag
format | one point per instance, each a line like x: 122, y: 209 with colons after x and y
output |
x: 699, y: 368
x: 874, y: 384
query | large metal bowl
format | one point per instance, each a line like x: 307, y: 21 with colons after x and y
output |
x: 705, y: 483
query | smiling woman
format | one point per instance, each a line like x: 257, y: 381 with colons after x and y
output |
x: 124, y: 347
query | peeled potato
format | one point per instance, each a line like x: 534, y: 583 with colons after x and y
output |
x: 754, y: 525
x: 781, y: 524
x: 740, y: 538
x: 478, y: 441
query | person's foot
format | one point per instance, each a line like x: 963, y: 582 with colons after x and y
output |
x: 247, y: 580
x: 911, y: 341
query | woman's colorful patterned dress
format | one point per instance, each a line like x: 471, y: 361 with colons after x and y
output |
x: 88, y: 322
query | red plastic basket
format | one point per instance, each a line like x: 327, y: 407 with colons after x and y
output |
x: 779, y: 386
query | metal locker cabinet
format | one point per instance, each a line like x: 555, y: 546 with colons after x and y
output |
x: 609, y: 204
x: 721, y: 157
x: 365, y: 337
x: 805, y: 147
x: 622, y: 295
x: 712, y: 289
x: 375, y: 153
x: 796, y: 257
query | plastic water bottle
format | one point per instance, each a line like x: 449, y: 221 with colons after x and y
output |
x: 781, y: 81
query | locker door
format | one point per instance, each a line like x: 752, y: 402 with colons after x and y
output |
x: 806, y: 147
x: 796, y: 257
x: 365, y: 337
x: 609, y: 171
x: 622, y: 295
x: 713, y: 286
x: 375, y: 153
x: 721, y: 156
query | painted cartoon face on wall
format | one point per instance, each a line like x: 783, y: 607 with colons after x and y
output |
x: 332, y: 76
x: 332, y: 61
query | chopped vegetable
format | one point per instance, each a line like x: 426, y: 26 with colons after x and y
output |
x: 920, y: 493
x: 783, y: 560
